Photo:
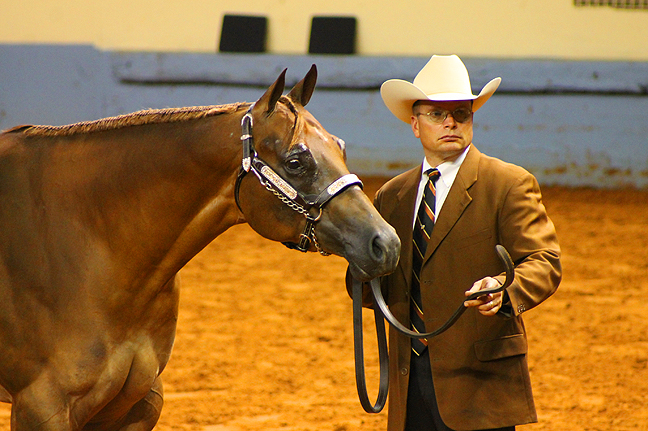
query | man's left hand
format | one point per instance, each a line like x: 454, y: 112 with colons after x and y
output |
x: 489, y: 304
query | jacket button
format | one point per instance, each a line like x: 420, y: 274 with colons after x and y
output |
x: 404, y: 371
x: 521, y: 308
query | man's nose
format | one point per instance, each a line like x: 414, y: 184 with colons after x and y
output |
x: 450, y: 121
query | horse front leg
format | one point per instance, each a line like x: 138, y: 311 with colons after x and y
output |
x: 41, y: 407
x: 142, y: 415
x: 146, y: 412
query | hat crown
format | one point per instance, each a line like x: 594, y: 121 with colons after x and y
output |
x: 444, y: 74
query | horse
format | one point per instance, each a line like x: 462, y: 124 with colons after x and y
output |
x: 98, y: 217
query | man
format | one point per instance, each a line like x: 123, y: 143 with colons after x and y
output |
x: 475, y: 375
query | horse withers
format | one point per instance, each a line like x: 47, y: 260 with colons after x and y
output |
x: 97, y: 218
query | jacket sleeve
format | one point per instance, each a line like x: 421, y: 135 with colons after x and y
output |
x: 529, y: 235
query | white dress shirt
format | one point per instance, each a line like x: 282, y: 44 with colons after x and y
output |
x: 448, y: 172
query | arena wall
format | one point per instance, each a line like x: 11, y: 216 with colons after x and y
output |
x: 571, y: 123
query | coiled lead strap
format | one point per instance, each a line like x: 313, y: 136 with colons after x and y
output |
x: 358, y: 348
x: 382, y: 304
x: 381, y: 312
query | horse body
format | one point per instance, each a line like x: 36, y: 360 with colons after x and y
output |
x: 97, y: 247
x: 97, y: 219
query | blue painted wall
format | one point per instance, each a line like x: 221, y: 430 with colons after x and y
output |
x: 570, y: 123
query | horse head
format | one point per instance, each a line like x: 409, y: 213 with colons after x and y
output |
x: 305, y: 196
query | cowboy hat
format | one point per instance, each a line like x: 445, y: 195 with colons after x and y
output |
x: 443, y: 78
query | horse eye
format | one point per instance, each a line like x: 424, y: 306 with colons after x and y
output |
x: 299, y: 160
x: 293, y: 164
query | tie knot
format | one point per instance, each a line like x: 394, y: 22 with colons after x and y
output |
x: 433, y: 174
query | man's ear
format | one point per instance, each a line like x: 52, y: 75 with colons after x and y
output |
x: 415, y: 126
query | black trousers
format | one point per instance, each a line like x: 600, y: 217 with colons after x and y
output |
x: 422, y: 409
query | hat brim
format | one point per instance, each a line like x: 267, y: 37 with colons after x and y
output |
x: 399, y: 96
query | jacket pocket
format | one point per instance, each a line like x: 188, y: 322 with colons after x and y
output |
x: 500, y: 348
x: 472, y: 239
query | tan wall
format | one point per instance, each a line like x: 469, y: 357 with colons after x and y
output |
x: 477, y: 28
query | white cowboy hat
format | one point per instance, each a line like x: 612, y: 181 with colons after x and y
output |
x: 443, y: 78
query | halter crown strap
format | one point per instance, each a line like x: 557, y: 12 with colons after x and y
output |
x: 248, y: 140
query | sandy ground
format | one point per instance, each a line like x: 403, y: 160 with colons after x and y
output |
x: 264, y: 338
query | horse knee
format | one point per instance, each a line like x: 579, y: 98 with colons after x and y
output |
x: 40, y: 407
x: 146, y: 412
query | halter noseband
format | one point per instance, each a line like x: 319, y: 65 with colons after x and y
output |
x: 290, y: 196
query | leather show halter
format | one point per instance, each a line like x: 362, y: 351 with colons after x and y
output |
x: 307, y: 205
x: 382, y: 311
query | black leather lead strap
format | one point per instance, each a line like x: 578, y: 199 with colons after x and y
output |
x: 358, y: 348
x: 382, y: 304
x: 382, y: 311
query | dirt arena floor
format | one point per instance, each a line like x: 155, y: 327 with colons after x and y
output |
x: 264, y: 338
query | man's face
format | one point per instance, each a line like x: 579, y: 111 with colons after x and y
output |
x: 444, y: 128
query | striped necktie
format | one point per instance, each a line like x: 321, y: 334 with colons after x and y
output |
x: 421, y: 235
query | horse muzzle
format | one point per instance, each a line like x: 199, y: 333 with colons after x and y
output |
x: 376, y: 255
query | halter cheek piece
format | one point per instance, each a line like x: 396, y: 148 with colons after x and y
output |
x: 272, y: 181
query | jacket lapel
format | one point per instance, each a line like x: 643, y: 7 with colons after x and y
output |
x: 456, y: 202
x: 403, y: 215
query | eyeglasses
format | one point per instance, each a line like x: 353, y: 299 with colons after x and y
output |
x: 438, y: 116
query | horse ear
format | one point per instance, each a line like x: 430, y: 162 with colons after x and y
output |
x: 303, y: 90
x: 270, y: 98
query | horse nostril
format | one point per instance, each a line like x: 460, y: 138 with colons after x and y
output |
x: 384, y: 250
x: 378, y: 249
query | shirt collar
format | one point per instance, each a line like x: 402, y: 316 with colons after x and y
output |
x: 448, y: 170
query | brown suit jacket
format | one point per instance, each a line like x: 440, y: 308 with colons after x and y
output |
x: 479, y: 365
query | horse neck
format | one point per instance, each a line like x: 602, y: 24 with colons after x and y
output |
x: 157, y: 194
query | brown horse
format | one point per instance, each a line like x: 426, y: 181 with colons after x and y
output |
x: 97, y: 218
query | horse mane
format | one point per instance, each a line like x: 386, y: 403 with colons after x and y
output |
x: 147, y: 116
